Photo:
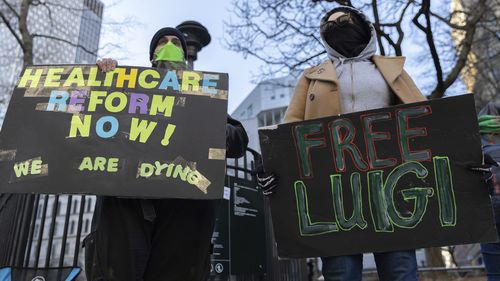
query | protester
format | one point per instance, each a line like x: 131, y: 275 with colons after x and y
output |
x: 489, y: 127
x: 352, y: 79
x: 156, y: 239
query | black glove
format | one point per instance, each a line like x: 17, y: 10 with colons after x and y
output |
x: 485, y: 168
x: 267, y: 181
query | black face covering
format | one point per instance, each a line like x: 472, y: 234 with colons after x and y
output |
x: 349, y: 37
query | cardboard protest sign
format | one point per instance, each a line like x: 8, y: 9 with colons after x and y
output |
x: 381, y: 180
x: 134, y: 131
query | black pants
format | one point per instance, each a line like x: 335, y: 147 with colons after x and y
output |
x: 175, y: 245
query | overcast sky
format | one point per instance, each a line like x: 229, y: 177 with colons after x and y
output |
x: 152, y: 15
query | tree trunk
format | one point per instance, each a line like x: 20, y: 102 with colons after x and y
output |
x: 25, y: 35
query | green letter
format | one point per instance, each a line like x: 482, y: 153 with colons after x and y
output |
x: 371, y: 137
x: 378, y: 206
x: 446, y: 195
x: 357, y: 218
x: 303, y: 144
x: 345, y: 143
x: 306, y: 227
x: 405, y: 133
x: 420, y: 195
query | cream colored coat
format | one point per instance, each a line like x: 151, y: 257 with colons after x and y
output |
x: 317, y: 93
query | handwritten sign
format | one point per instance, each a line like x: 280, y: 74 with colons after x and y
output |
x: 381, y: 180
x: 140, y: 132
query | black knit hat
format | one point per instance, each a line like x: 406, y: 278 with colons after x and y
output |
x: 164, y: 32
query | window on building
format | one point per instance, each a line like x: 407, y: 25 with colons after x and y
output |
x: 40, y: 211
x: 72, y: 227
x: 67, y: 248
x: 55, y: 251
x: 250, y: 110
x: 61, y: 208
x: 56, y: 228
x: 271, y: 117
x: 273, y: 97
x: 75, y: 206
x: 87, y: 226
x: 36, y: 230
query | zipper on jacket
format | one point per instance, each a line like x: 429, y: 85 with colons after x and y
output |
x: 353, y: 99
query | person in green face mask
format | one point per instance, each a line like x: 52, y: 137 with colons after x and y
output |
x: 169, y: 51
x: 156, y: 239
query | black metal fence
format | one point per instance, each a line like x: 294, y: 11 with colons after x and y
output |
x: 46, y: 231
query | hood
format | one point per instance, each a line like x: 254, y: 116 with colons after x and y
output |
x: 368, y: 51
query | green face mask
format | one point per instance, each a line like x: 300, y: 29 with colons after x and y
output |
x: 169, y: 52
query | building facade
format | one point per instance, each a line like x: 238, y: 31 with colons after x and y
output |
x: 69, y: 34
x: 264, y: 106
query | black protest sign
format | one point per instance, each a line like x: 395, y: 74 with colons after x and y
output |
x: 380, y: 180
x: 140, y: 132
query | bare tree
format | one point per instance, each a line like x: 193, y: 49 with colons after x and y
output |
x: 15, y: 17
x: 285, y: 34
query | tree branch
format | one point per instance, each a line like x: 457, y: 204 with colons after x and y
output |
x: 11, y: 8
x: 65, y: 41
x: 12, y: 30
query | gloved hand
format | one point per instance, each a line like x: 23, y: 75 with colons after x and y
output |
x: 485, y: 168
x: 267, y: 181
x: 107, y: 64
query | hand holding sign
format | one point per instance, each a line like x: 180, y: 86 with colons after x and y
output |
x: 128, y: 132
x: 384, y: 178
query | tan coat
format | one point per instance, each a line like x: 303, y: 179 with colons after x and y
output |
x: 317, y: 93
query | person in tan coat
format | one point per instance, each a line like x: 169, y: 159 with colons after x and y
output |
x: 353, y: 79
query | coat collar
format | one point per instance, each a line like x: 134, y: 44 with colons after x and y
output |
x: 390, y: 67
x: 324, y: 71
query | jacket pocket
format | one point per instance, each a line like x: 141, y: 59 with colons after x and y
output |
x: 93, y: 270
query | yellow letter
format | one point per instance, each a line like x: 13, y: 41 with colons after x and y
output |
x: 122, y: 76
x: 109, y: 78
x: 108, y: 104
x: 142, y: 78
x: 190, y: 78
x: 36, y: 167
x: 81, y: 127
x: 142, y: 130
x: 194, y: 178
x: 53, y: 77
x: 21, y: 169
x: 92, y: 82
x: 146, y: 170
x: 160, y: 104
x: 95, y: 99
x: 32, y: 78
x: 86, y: 164
x: 75, y: 77
x: 113, y: 165
x: 99, y: 163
